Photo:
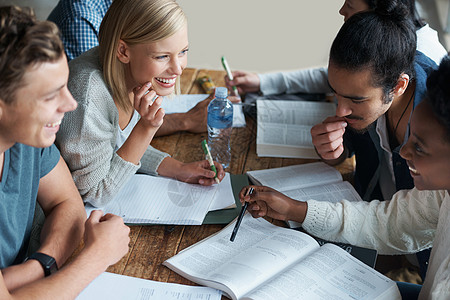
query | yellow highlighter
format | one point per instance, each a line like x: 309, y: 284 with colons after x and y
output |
x: 209, y: 158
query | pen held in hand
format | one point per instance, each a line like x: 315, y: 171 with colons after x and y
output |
x: 209, y: 158
x: 230, y: 75
x: 241, y: 216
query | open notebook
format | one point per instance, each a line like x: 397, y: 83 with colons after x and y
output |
x: 159, y: 200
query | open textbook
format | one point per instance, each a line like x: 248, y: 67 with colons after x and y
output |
x: 183, y: 103
x: 317, y: 181
x: 159, y: 200
x: 118, y: 287
x: 284, y: 127
x: 267, y: 262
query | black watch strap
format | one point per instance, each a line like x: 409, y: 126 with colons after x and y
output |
x: 46, y: 261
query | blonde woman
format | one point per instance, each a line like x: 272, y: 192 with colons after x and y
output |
x: 142, y: 52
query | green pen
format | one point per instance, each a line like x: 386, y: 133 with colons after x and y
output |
x: 230, y: 76
x: 209, y: 158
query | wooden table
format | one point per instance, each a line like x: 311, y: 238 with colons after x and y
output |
x: 152, y: 245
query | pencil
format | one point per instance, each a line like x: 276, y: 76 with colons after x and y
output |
x: 241, y: 216
x: 209, y: 158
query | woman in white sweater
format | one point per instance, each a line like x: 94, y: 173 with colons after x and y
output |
x: 142, y: 51
x: 412, y: 220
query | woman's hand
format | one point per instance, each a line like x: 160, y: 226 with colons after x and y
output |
x: 200, y: 172
x: 148, y: 104
x: 265, y: 201
x: 196, y: 172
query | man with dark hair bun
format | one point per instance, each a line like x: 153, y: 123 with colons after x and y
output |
x: 411, y: 220
x: 378, y: 78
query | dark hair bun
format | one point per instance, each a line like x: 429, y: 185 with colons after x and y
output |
x: 394, y: 9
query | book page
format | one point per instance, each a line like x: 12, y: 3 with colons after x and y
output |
x: 307, y: 113
x: 284, y: 126
x: 329, y: 273
x: 160, y: 200
x: 260, y: 250
x: 284, y: 135
x: 296, y: 176
x: 183, y: 103
x: 332, y: 192
x: 118, y: 287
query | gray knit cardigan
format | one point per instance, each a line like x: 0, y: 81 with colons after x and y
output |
x: 87, y: 136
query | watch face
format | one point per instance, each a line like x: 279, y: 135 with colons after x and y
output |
x: 47, y: 262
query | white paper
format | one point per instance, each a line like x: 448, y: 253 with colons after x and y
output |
x: 183, y: 103
x: 158, y: 200
x: 296, y: 176
x: 259, y: 250
x: 224, y: 197
x: 118, y: 287
x: 277, y: 263
x: 317, y: 181
x: 284, y: 127
x: 328, y: 273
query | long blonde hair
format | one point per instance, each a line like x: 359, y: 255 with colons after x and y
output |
x: 134, y: 22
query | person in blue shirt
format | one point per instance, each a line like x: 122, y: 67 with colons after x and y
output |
x: 79, y: 22
x: 33, y: 100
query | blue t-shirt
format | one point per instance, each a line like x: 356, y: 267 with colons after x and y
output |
x: 23, y: 167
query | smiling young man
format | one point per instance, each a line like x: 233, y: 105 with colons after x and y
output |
x: 378, y: 78
x: 412, y: 220
x: 33, y: 100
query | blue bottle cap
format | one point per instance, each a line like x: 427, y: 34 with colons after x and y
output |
x: 221, y: 92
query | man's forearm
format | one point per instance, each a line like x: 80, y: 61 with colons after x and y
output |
x: 59, y: 238
x: 66, y: 283
x: 62, y: 231
x: 172, y: 123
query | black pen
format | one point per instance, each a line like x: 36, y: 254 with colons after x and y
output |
x: 241, y: 216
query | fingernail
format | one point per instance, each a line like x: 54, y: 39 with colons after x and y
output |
x: 344, y: 124
x: 201, y: 181
x: 148, y: 84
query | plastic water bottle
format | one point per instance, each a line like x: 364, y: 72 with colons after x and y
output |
x: 220, y: 123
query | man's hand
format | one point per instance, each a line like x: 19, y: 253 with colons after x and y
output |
x: 194, y: 120
x: 327, y: 138
x: 245, y: 82
x: 108, y: 235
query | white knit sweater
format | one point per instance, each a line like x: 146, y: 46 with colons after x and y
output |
x: 411, y: 221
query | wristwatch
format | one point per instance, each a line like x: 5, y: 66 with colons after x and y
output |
x: 46, y: 261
